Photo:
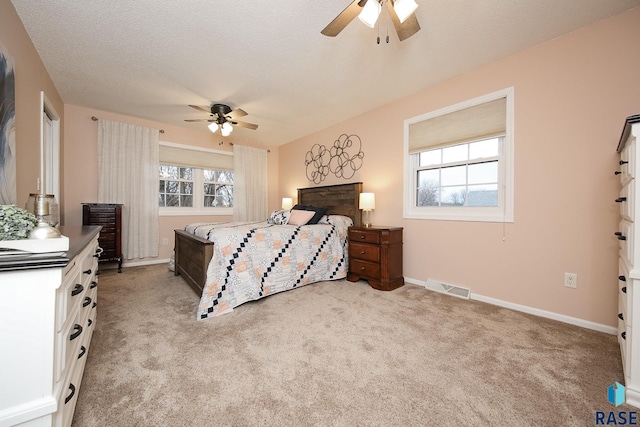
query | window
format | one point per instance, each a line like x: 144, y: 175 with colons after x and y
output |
x: 196, y: 189
x: 195, y: 181
x: 459, y: 163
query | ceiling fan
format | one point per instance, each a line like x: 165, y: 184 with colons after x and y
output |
x: 402, y: 14
x: 223, y: 117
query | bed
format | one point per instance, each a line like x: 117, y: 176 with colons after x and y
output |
x: 193, y: 253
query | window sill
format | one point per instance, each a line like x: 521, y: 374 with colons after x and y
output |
x: 454, y: 214
x: 195, y: 212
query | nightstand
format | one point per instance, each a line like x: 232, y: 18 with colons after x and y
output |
x: 375, y: 254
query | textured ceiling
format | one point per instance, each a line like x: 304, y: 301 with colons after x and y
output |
x: 151, y: 58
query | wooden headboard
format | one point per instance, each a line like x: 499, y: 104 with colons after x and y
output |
x: 341, y: 199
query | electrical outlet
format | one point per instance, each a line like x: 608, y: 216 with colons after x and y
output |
x: 571, y: 280
x: 165, y: 242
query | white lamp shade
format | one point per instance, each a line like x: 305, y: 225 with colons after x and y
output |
x: 370, y: 12
x: 287, y: 203
x: 367, y: 201
x: 404, y: 9
x: 213, y: 127
x: 226, y: 129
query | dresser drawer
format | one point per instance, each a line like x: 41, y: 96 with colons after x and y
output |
x: 364, y: 252
x: 364, y: 236
x: 627, y: 161
x: 626, y: 237
x: 626, y: 201
x: 364, y: 268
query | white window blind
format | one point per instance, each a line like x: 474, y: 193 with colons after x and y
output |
x: 480, y: 121
x: 181, y: 155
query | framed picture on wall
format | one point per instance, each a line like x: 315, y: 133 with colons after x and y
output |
x: 7, y: 129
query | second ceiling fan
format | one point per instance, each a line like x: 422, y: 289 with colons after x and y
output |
x: 402, y: 14
x: 223, y: 117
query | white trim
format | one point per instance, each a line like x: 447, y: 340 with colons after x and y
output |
x: 531, y: 310
x: 27, y: 411
x: 505, y: 211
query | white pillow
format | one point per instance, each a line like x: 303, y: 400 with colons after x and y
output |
x: 299, y: 217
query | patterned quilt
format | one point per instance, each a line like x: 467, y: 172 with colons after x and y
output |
x: 252, y: 260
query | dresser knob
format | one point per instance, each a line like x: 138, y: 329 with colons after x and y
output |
x: 362, y: 236
x: 361, y: 268
x: 78, y: 330
x: 78, y: 289
x: 361, y: 252
x: 73, y: 392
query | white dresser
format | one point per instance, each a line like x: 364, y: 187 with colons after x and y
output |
x: 629, y: 262
x: 47, y: 316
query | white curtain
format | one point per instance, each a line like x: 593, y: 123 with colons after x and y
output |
x: 128, y: 174
x: 250, y: 184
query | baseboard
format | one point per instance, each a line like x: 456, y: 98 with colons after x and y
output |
x: 149, y: 262
x: 535, y: 311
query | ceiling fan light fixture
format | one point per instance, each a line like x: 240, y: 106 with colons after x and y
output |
x: 213, y: 127
x: 370, y: 13
x: 404, y: 9
x: 226, y: 129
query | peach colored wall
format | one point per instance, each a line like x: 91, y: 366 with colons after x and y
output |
x: 81, y: 163
x: 31, y: 79
x: 572, y: 95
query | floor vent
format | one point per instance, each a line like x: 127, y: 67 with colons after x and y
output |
x: 456, y: 291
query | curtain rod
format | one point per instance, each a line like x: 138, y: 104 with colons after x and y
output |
x: 231, y: 143
x: 95, y: 119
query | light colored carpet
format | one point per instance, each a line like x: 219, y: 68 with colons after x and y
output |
x: 334, y: 354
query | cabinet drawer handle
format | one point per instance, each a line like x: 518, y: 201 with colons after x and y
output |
x: 87, y: 271
x: 617, y: 173
x: 86, y: 301
x: 78, y: 330
x: 93, y: 284
x: 623, y: 162
x: 624, y: 289
x: 624, y: 335
x: 78, y: 289
x: 362, y: 236
x: 362, y: 252
x: 83, y: 350
x: 620, y: 316
x: 361, y: 268
x: 621, y: 199
x: 73, y: 392
x: 622, y: 278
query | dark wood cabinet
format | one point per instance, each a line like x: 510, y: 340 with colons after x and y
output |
x: 375, y: 254
x: 109, y: 216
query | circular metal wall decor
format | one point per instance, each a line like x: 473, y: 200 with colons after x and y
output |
x: 343, y: 159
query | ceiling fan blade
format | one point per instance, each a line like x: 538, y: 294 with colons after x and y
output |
x: 344, y: 18
x: 245, y: 125
x: 238, y: 112
x: 408, y: 27
x: 200, y: 109
x: 199, y: 120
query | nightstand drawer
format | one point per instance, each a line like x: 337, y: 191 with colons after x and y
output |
x: 364, y: 252
x: 364, y: 268
x: 365, y: 236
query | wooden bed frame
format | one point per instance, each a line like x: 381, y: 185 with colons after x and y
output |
x: 193, y: 253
